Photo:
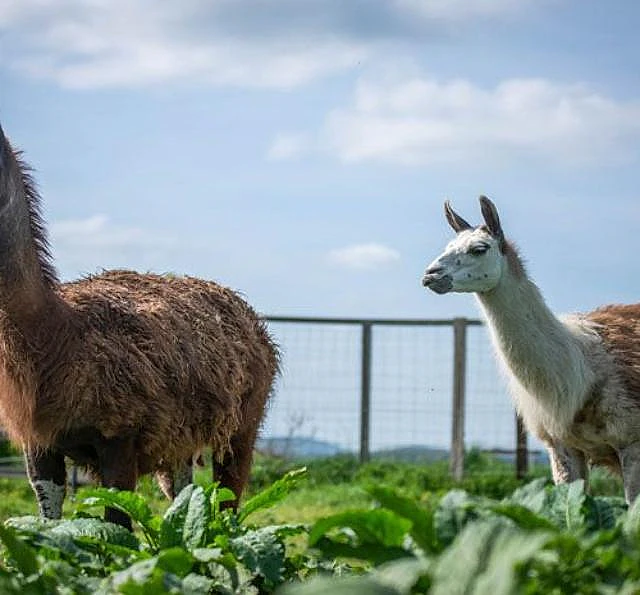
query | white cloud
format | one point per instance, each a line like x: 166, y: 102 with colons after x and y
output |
x: 81, y: 245
x: 457, y: 10
x: 140, y: 42
x: 97, y: 230
x: 281, y: 44
x: 287, y: 146
x: 422, y: 120
x: 364, y: 256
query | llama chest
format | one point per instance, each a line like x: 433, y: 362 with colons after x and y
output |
x: 591, y: 432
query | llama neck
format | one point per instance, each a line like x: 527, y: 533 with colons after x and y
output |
x: 539, y: 352
x: 23, y: 291
x: 27, y: 277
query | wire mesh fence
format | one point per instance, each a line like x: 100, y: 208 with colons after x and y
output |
x: 406, y: 368
x: 388, y: 387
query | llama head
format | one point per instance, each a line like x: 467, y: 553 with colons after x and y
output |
x: 475, y: 260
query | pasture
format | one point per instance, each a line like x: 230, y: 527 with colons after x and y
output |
x: 334, y: 527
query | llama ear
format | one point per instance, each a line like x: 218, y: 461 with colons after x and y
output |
x: 490, y: 214
x: 457, y: 222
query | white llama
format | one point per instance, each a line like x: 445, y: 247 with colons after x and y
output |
x: 575, y: 380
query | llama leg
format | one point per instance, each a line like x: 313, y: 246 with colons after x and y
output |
x: 48, y: 477
x: 630, y: 465
x: 567, y: 464
x: 182, y: 477
x: 118, y: 469
x: 233, y: 471
x: 173, y: 482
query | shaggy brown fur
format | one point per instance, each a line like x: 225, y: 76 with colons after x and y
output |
x: 619, y: 327
x: 125, y: 371
x: 178, y: 362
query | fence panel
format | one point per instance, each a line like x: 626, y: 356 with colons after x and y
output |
x: 316, y: 404
x: 390, y: 387
x: 411, y: 371
x: 490, y: 415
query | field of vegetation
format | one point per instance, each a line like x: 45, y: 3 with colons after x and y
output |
x: 330, y: 528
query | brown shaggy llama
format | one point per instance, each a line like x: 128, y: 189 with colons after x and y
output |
x: 124, y: 373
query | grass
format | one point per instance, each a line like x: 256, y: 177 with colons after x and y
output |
x: 335, y: 485
x: 308, y: 504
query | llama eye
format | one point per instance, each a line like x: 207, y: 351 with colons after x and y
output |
x: 480, y: 249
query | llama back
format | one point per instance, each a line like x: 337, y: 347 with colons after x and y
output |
x: 619, y: 328
x: 180, y: 362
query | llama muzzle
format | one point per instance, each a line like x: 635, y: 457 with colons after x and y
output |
x: 437, y: 282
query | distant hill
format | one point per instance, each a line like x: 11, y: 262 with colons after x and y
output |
x: 301, y: 447
x: 413, y: 454
x: 298, y: 447
x: 309, y: 448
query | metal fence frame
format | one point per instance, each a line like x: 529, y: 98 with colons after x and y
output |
x: 459, y: 326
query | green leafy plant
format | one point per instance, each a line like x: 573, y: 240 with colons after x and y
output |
x: 196, y: 546
x: 538, y: 538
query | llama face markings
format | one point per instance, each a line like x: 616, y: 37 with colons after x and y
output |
x: 472, y: 262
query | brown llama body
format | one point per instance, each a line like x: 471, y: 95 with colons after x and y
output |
x: 124, y: 373
x: 179, y: 363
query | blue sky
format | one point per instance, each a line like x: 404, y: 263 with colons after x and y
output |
x: 301, y: 151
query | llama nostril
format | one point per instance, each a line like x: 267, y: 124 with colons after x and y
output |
x: 432, y: 274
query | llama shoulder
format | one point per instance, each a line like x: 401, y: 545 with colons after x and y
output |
x: 618, y: 326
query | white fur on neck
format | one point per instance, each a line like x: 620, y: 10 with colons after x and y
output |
x: 543, y: 356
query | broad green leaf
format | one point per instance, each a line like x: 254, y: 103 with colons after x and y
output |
x: 629, y: 588
x: 31, y: 523
x: 454, y: 511
x: 172, y: 527
x: 262, y: 552
x: 283, y: 531
x: 346, y: 586
x: 128, y: 502
x: 143, y: 578
x: 23, y: 555
x: 375, y: 553
x: 175, y: 560
x: 203, y: 554
x: 509, y: 548
x: 51, y: 545
x: 565, y: 506
x: 196, y: 584
x: 422, y: 529
x: 218, y: 496
x: 273, y: 494
x: 63, y: 578
x: 603, y: 512
x: 482, y: 559
x: 532, y: 495
x: 523, y: 517
x: 405, y: 575
x: 107, y: 533
x: 378, y: 526
x: 197, y: 519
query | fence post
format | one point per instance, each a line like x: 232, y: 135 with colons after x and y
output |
x: 365, y: 392
x: 459, y: 373
x: 522, y: 453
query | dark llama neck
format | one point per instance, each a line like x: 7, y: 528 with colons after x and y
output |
x: 27, y: 277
